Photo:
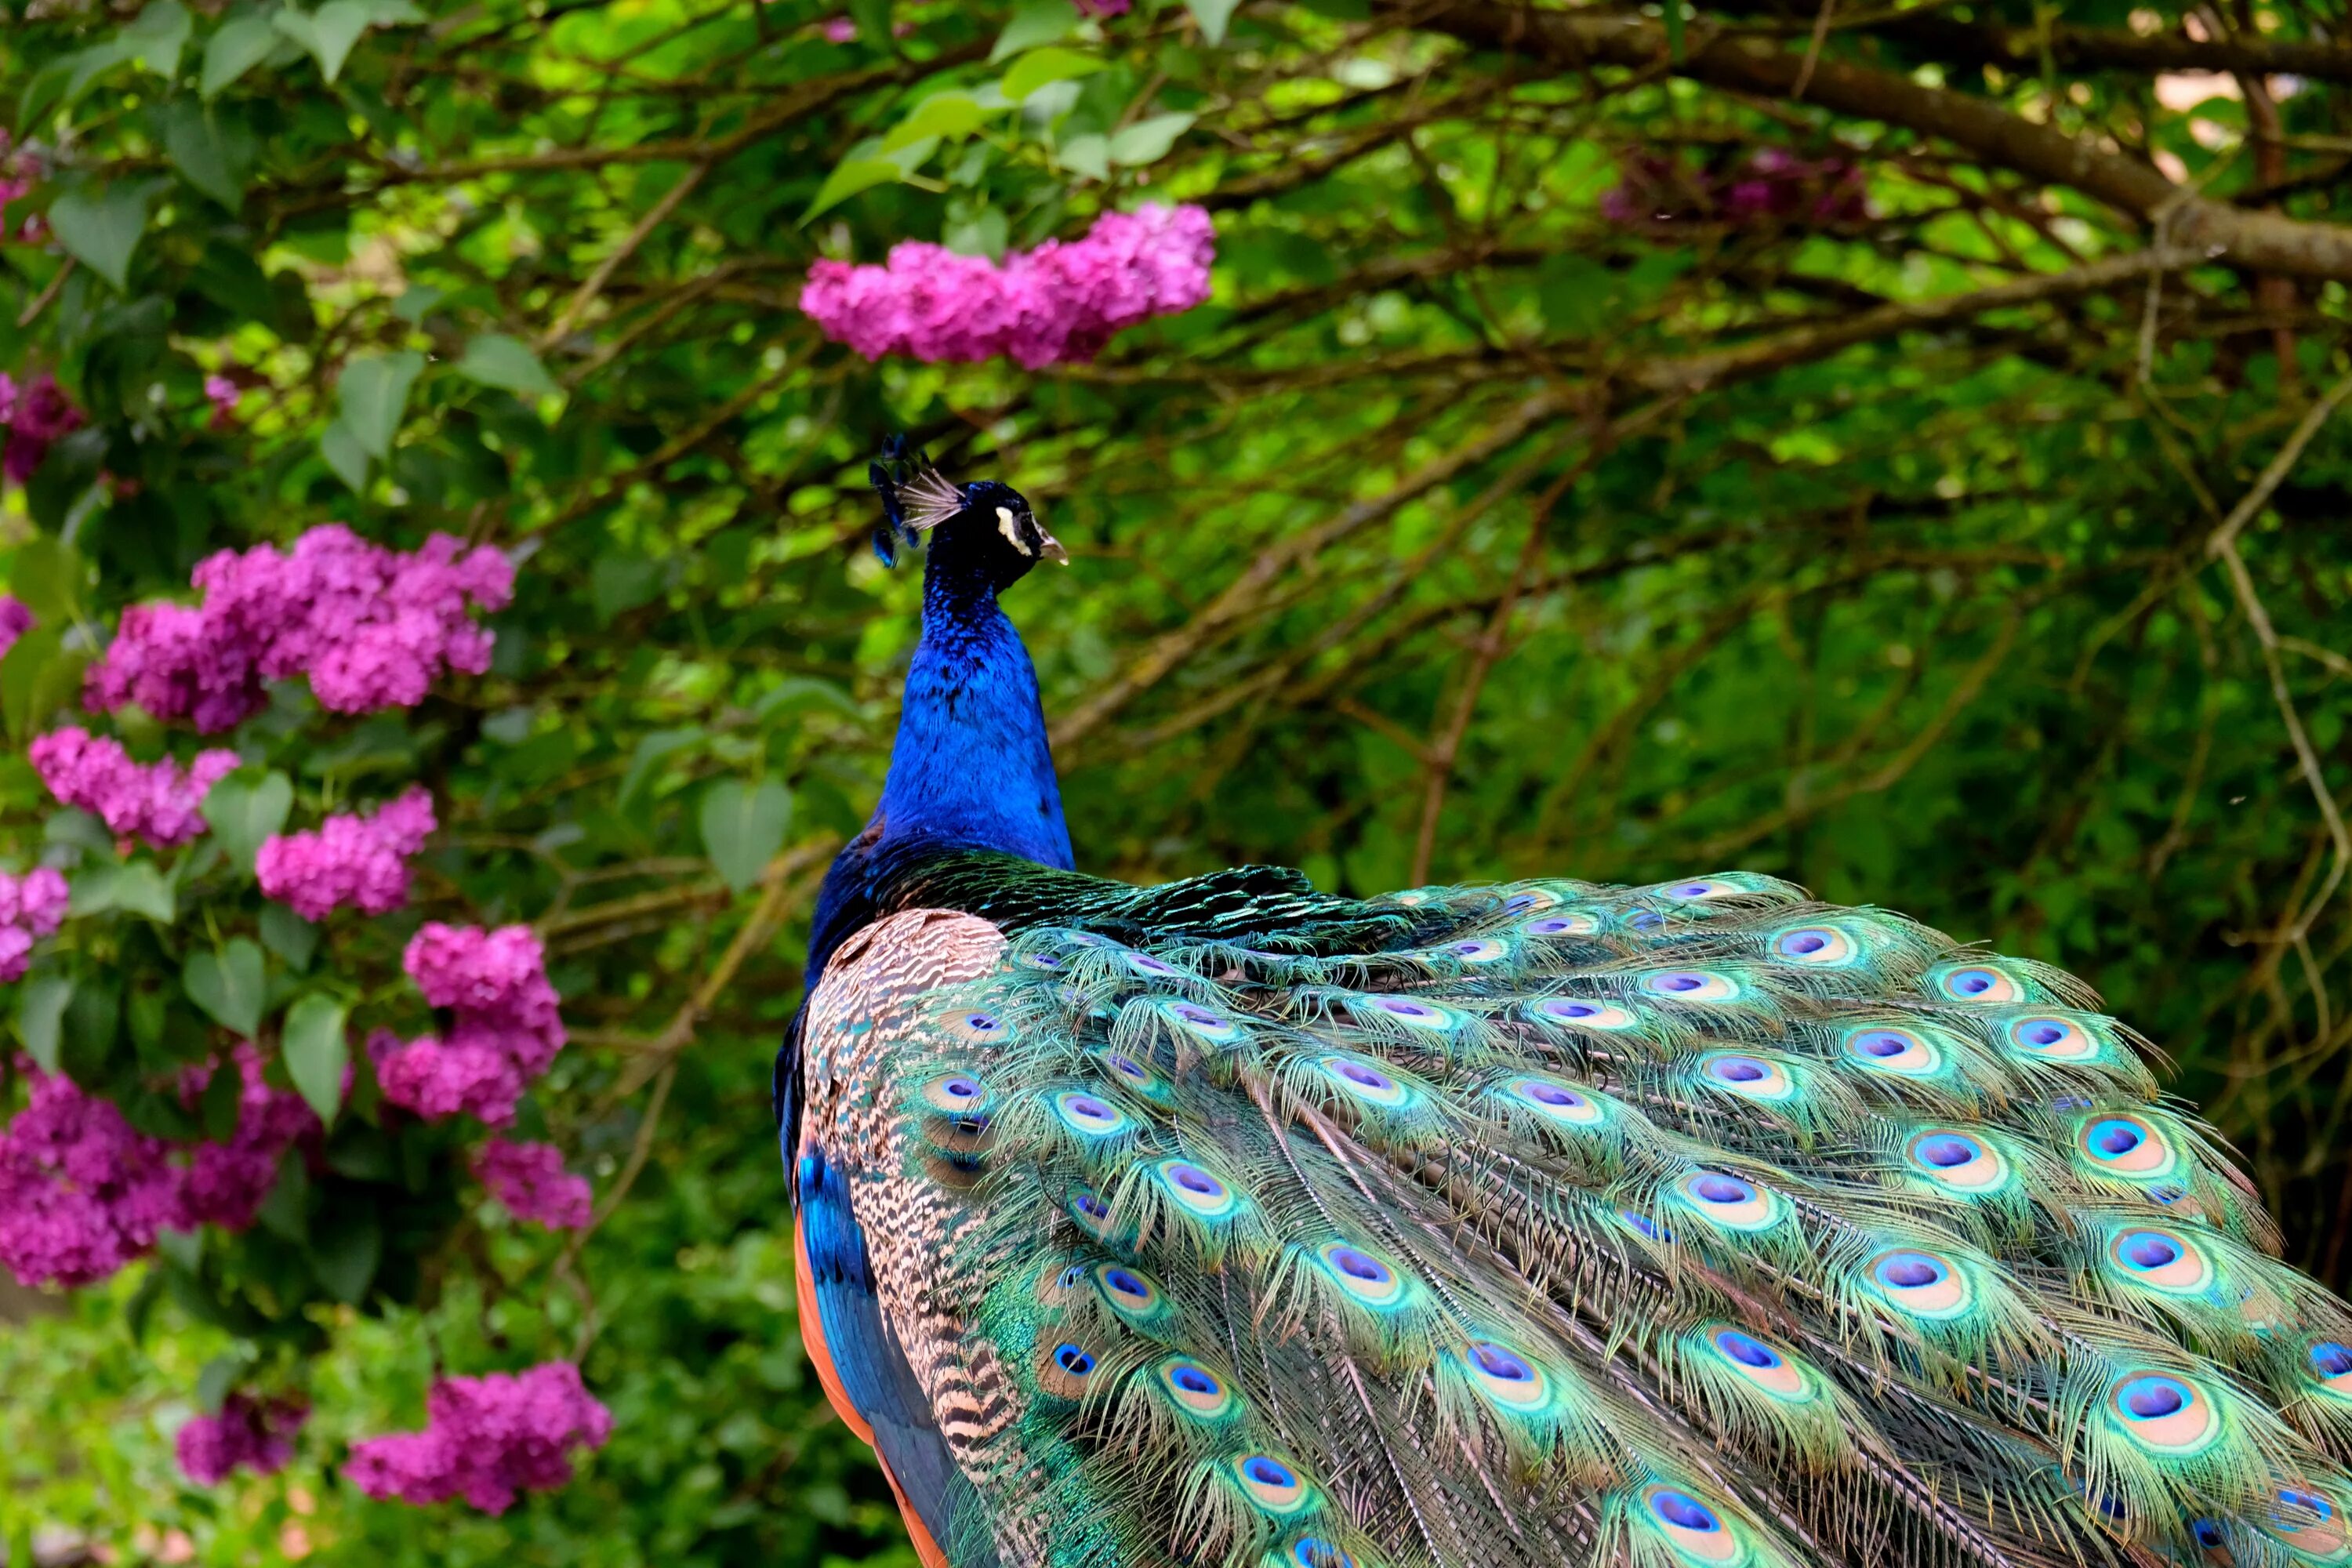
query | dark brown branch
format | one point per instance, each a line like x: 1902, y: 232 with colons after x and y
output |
x: 2111, y: 48
x: 1577, y: 40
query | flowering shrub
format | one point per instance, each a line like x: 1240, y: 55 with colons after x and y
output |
x: 372, y: 629
x: 504, y: 1030
x: 81, y: 1194
x: 488, y: 1439
x: 529, y: 1181
x: 359, y: 860
x: 256, y: 1435
x: 157, y: 802
x: 1058, y: 303
x: 34, y: 414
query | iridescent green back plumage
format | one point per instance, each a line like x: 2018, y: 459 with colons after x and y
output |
x: 1694, y: 1225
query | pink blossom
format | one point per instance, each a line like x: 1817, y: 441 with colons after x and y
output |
x: 16, y: 620
x: 1103, y: 10
x: 227, y: 1183
x: 486, y: 1439
x: 80, y: 1193
x: 504, y: 1032
x: 1056, y: 304
x: 531, y: 1181
x: 223, y: 394
x: 349, y: 860
x: 256, y: 1433
x: 31, y: 907
x: 155, y: 802
x: 37, y: 413
x: 371, y: 628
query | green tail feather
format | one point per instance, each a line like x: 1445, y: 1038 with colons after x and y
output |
x: 1547, y: 1224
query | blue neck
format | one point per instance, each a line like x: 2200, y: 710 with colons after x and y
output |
x: 971, y: 768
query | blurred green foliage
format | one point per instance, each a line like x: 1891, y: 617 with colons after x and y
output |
x: 1487, y: 523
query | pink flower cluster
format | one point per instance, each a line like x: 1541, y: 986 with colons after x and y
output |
x: 349, y: 860
x: 504, y: 1033
x: 486, y: 1439
x: 254, y: 1433
x: 36, y: 415
x: 1773, y: 184
x: 31, y: 907
x: 81, y: 1194
x: 16, y: 620
x: 1056, y: 304
x: 154, y: 802
x: 530, y: 1180
x: 372, y: 629
x: 225, y: 1183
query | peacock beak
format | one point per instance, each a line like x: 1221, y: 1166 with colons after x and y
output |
x: 1051, y: 548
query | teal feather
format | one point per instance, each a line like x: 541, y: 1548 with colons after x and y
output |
x: 1468, y: 1262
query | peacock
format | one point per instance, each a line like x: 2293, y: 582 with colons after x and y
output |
x: 1233, y: 1222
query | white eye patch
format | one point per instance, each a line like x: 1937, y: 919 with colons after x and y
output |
x: 1012, y: 534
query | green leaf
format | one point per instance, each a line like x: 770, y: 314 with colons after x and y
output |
x: 241, y: 44
x: 873, y: 19
x: 618, y: 584
x: 1034, y: 22
x: 137, y: 887
x: 39, y: 676
x: 286, y: 1211
x: 289, y: 935
x: 374, y: 393
x: 216, y: 1107
x: 40, y: 1012
x: 101, y: 230
x: 1148, y: 141
x: 1088, y: 155
x: 496, y: 359
x: 393, y: 13
x: 316, y: 1050
x: 228, y: 984
x: 743, y: 827
x: 345, y: 455
x: 213, y: 1382
x: 50, y: 577
x: 345, y: 1255
x: 415, y: 301
x: 326, y: 33
x: 206, y: 154
x: 157, y: 35
x: 849, y: 178
x: 1675, y: 29
x: 1213, y: 16
x: 947, y: 114
x: 244, y: 809
x: 656, y: 745
x: 1033, y: 71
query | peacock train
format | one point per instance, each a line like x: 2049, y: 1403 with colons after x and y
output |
x: 1230, y: 1224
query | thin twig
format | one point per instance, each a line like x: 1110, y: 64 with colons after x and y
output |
x: 654, y: 217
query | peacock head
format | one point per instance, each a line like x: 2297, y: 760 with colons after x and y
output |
x: 983, y: 531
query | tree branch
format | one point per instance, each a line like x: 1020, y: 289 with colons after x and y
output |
x: 1578, y: 40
